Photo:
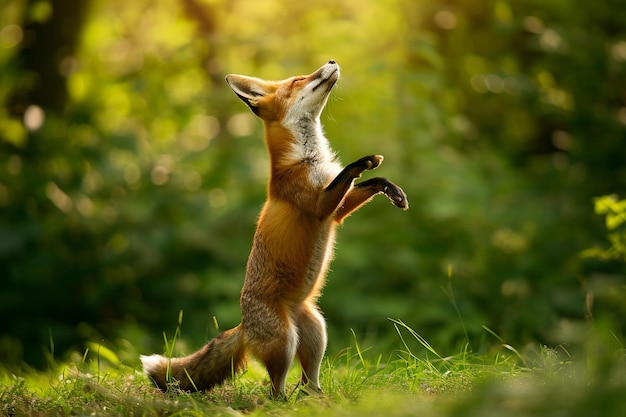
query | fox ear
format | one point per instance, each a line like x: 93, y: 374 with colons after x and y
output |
x: 248, y: 89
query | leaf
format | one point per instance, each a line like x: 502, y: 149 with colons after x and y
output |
x: 104, y: 352
x: 604, y: 204
x: 613, y: 221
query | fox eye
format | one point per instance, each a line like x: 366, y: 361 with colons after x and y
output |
x: 296, y: 80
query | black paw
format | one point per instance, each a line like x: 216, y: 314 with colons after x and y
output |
x: 396, y: 195
x: 372, y: 161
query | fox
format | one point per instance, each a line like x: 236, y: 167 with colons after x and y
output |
x: 309, y: 194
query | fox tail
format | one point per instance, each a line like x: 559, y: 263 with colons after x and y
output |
x: 218, y: 360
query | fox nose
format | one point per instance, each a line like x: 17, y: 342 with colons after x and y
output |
x: 332, y: 61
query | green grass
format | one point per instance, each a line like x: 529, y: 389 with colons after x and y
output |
x: 417, y: 380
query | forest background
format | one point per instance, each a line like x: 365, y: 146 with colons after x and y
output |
x: 131, y: 177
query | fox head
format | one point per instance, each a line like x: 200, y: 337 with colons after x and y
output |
x: 288, y: 100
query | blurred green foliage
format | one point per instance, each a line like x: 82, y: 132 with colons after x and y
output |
x: 614, y: 211
x: 131, y: 177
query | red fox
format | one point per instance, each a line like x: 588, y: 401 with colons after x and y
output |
x: 309, y: 194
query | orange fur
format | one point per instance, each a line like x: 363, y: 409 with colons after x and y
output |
x: 309, y: 194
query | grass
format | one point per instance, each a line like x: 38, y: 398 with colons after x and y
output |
x: 417, y: 380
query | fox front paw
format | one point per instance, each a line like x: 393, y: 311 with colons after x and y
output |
x: 396, y: 195
x: 372, y: 161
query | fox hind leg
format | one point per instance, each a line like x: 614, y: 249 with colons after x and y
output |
x: 311, y: 346
x: 275, y: 349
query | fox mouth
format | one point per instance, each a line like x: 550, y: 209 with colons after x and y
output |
x: 329, y: 79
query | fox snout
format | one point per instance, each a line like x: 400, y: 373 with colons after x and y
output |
x: 332, y: 66
x: 329, y: 72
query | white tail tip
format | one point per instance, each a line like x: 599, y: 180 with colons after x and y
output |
x: 152, y: 363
